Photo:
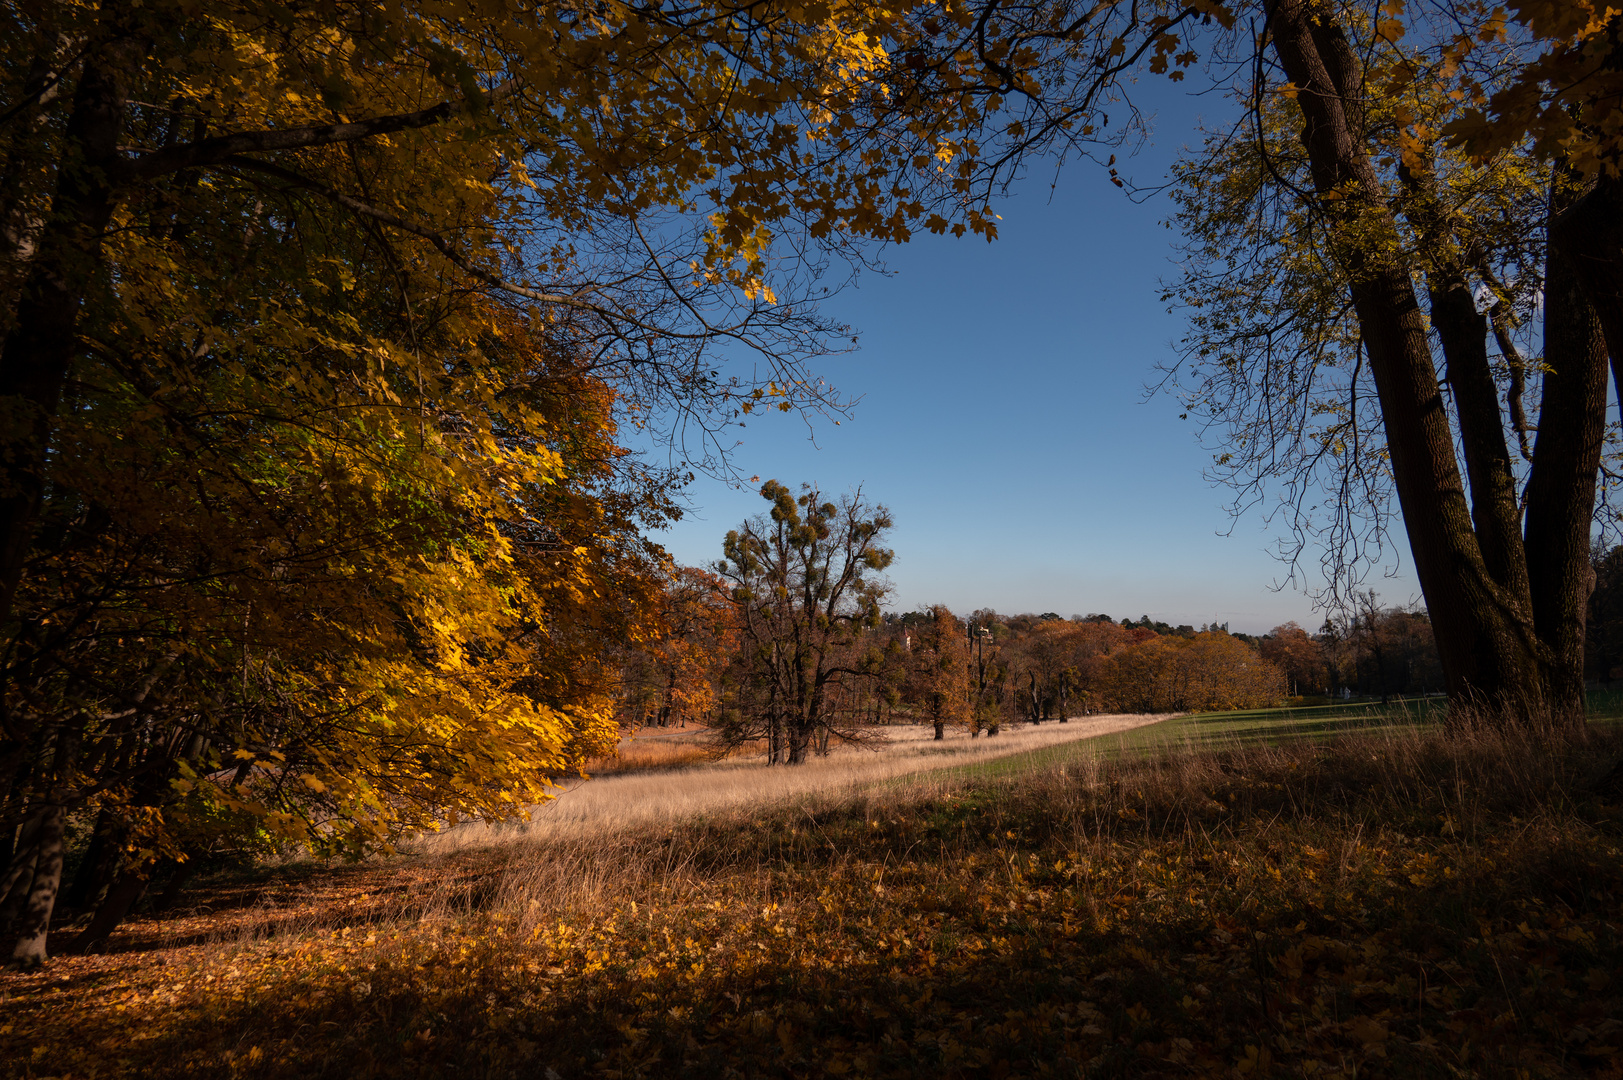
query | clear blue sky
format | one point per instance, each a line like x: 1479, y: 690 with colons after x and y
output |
x: 1003, y: 421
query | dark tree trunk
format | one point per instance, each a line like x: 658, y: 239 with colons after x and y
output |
x: 35, y: 921
x: 19, y: 874
x: 95, y: 873
x: 38, y: 352
x: 799, y: 742
x: 1589, y: 235
x: 111, y: 911
x: 176, y: 884
x: 1479, y: 590
x: 1561, y: 489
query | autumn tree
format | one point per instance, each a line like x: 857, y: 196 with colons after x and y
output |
x: 1564, y: 97
x: 319, y: 619
x: 989, y: 672
x: 1413, y: 144
x: 1298, y: 655
x: 250, y: 255
x: 607, y: 167
x: 1342, y: 251
x: 1049, y: 662
x: 806, y: 581
x: 674, y: 676
x: 938, y: 670
x: 1089, y: 643
x: 1207, y: 672
x: 1382, y: 650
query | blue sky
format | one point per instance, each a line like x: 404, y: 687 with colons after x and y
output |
x: 1003, y: 421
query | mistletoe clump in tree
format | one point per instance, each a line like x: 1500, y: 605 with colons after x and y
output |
x: 316, y: 325
x: 806, y: 579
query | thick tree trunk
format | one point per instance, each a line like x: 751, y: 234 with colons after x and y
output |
x: 1475, y: 579
x: 799, y: 742
x: 19, y: 874
x: 95, y: 873
x: 35, y: 922
x: 1561, y: 488
x: 1589, y: 234
x: 38, y: 352
x: 111, y: 911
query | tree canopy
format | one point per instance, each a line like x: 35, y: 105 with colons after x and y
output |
x: 321, y: 325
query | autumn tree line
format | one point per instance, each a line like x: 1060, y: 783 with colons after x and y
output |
x: 983, y: 671
x: 785, y: 644
x: 319, y: 327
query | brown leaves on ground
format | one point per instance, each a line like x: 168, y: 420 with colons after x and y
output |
x: 1402, y: 907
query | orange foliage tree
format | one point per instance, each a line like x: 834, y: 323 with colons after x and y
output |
x: 938, y: 670
x: 1209, y: 671
x: 1298, y: 656
x: 675, y: 676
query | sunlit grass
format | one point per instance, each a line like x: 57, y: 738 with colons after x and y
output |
x: 636, y: 799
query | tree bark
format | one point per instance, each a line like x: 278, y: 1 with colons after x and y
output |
x: 1561, y: 487
x: 799, y: 740
x: 35, y: 922
x: 1477, y: 590
x: 19, y: 875
x: 95, y: 873
x: 38, y: 353
x: 111, y: 911
x: 1589, y: 235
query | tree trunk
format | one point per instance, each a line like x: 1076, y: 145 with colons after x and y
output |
x: 35, y: 922
x: 1478, y: 591
x: 1589, y: 234
x: 36, y: 356
x: 177, y: 883
x: 799, y: 740
x: 96, y: 872
x: 19, y: 875
x: 1566, y: 460
x: 111, y: 911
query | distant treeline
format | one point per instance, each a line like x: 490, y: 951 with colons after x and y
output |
x: 984, y: 670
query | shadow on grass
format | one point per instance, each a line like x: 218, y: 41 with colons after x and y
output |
x: 992, y: 938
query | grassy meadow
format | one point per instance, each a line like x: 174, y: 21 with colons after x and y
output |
x: 1244, y: 895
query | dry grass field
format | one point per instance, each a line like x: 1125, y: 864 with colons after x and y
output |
x: 662, y: 779
x: 1391, y: 904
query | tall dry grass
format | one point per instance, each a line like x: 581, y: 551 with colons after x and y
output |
x: 1394, y: 903
x: 659, y: 753
x: 641, y: 798
x: 669, y: 839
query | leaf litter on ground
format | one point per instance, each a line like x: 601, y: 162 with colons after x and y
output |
x: 1407, y: 904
